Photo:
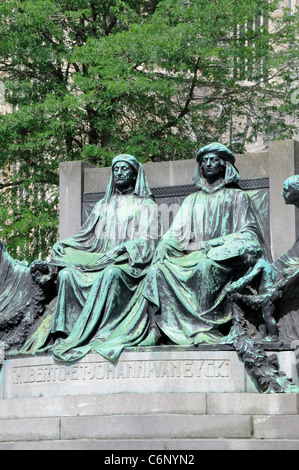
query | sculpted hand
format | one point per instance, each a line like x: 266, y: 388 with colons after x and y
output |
x: 120, y: 250
x: 58, y: 249
x: 205, y: 247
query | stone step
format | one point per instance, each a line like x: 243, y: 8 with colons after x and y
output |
x: 144, y: 427
x: 154, y: 447
x: 152, y: 400
x: 151, y: 404
x: 162, y: 421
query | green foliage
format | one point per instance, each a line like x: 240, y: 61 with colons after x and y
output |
x: 87, y: 80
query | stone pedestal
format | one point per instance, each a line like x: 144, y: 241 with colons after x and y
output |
x: 150, y: 371
x: 154, y: 400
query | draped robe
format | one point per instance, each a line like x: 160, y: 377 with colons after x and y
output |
x: 16, y: 285
x: 22, y: 300
x: 98, y: 287
x: 188, y: 288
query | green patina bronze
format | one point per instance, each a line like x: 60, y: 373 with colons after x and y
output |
x: 261, y: 276
x: 286, y: 268
x: 288, y: 264
x: 117, y: 289
x: 197, y: 258
x: 279, y: 291
x: 24, y: 292
x: 103, y: 267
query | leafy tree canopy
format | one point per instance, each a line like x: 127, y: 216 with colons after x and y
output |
x: 88, y: 79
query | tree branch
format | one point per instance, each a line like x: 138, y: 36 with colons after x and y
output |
x: 11, y: 184
x: 186, y: 107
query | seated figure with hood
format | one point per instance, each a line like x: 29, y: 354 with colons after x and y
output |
x: 101, y: 271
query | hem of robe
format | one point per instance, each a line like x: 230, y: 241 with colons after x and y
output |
x: 129, y: 333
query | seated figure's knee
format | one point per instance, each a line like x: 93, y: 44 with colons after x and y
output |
x: 206, y: 265
x: 64, y: 275
x: 112, y: 272
x: 154, y: 270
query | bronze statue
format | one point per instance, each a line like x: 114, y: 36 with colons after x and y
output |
x: 25, y: 290
x: 285, y: 292
x: 116, y: 291
x: 261, y: 276
x: 287, y: 265
x: 277, y: 294
x: 194, y: 262
x: 277, y: 281
x: 103, y: 265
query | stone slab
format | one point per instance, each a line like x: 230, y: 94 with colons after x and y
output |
x: 175, y: 445
x: 136, y: 372
x: 151, y: 403
x: 104, y: 405
x: 250, y: 404
x: 156, y: 427
x: 149, y: 371
x: 33, y: 429
x: 232, y: 444
x: 284, y: 162
x: 276, y: 427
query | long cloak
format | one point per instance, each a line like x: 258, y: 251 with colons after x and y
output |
x: 188, y: 288
x: 97, y: 286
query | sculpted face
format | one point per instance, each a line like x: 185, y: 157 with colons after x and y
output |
x: 211, y: 166
x: 251, y: 257
x: 124, y: 176
x: 289, y: 194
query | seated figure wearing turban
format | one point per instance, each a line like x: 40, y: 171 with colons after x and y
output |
x: 194, y: 263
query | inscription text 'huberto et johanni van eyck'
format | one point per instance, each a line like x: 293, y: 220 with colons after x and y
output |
x: 123, y: 370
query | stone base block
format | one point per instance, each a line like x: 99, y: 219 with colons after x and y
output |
x: 126, y: 404
x: 148, y: 428
x: 160, y: 371
x: 150, y: 400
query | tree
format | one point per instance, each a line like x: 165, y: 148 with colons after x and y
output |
x: 87, y: 80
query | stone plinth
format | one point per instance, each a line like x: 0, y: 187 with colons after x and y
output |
x: 151, y: 400
x: 156, y: 371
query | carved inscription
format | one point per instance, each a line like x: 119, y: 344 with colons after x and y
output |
x: 123, y: 370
